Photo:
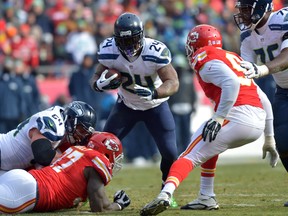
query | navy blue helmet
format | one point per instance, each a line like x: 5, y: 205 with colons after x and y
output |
x: 128, y: 34
x: 251, y: 12
x: 80, y: 120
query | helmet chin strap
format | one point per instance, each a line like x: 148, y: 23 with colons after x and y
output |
x: 71, y: 139
x: 253, y: 27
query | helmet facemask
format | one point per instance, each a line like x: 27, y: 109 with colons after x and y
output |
x: 117, y: 166
x: 189, y: 48
x: 250, y: 15
x: 77, y: 133
x: 110, y: 146
x: 129, y: 45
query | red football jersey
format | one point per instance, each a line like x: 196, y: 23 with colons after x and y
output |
x: 63, y: 183
x: 248, y: 90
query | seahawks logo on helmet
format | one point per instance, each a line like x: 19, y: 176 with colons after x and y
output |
x: 77, y: 108
x: 125, y: 33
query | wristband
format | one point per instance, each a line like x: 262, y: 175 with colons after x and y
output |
x: 264, y: 70
x: 154, y: 94
x: 120, y: 206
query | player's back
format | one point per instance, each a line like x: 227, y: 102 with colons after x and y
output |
x: 214, y: 57
x: 63, y: 183
x: 15, y: 146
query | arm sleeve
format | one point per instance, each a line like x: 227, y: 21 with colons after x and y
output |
x: 219, y: 74
x: 269, y: 130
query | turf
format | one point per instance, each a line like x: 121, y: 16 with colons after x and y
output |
x: 242, y: 189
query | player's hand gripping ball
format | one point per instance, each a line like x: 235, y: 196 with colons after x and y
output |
x: 109, y: 79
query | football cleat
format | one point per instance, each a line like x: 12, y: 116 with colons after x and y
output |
x: 286, y: 204
x: 203, y: 202
x: 158, y: 205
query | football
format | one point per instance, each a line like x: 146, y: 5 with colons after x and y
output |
x: 117, y: 80
x: 111, y: 72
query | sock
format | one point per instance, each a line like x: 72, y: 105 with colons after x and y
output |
x: 179, y: 170
x: 207, y: 177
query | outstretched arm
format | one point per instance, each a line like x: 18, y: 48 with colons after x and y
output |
x: 98, y: 199
x: 278, y: 64
x: 170, y: 80
x: 269, y: 141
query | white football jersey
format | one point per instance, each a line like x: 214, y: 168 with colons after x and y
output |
x: 15, y: 146
x: 264, y: 44
x: 142, y: 71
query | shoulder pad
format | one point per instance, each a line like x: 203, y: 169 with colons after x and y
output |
x: 244, y: 35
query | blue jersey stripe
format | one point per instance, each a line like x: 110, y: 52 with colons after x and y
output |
x: 155, y: 59
x: 108, y: 56
x: 277, y: 27
x: 245, y: 35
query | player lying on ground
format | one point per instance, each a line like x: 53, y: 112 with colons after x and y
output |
x: 81, y: 172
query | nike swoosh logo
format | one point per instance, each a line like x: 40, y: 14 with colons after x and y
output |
x: 101, y: 81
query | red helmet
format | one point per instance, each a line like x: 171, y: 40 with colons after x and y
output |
x: 109, y: 145
x: 200, y: 36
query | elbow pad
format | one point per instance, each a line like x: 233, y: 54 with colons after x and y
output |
x: 43, y: 151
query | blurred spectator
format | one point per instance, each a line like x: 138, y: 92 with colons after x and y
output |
x: 79, y: 89
x: 5, y: 45
x: 62, y: 100
x: 80, y: 43
x: 58, y: 12
x: 25, y: 47
x: 58, y: 46
x: 40, y: 18
x: 230, y: 39
x: 105, y: 16
x: 30, y: 89
x: 130, y: 6
x: 46, y: 50
x: 144, y: 151
x: 12, y: 106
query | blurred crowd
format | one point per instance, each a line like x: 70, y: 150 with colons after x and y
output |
x: 38, y: 38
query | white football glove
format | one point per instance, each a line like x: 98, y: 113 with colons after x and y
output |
x: 269, y: 146
x: 145, y: 93
x: 212, y: 127
x: 103, y: 83
x: 253, y: 70
x: 122, y: 199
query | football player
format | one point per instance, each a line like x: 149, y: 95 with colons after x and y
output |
x: 81, y: 172
x: 148, y: 79
x: 264, y: 41
x: 242, y: 111
x: 35, y: 139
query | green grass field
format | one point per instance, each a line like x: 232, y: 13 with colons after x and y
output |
x: 242, y: 189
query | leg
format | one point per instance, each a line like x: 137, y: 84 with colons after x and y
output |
x: 280, y: 107
x: 206, y: 198
x: 160, y: 123
x: 121, y: 120
x: 17, y: 192
x: 197, y: 153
